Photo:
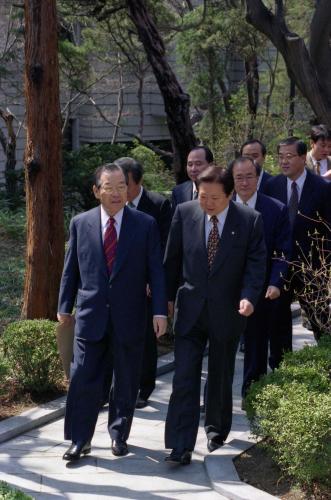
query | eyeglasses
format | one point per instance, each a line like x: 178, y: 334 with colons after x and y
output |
x: 112, y: 189
x: 287, y: 157
x: 243, y: 178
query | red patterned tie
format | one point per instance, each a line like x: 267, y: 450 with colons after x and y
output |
x: 213, y: 241
x: 110, y: 244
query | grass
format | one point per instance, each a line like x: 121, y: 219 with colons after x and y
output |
x: 12, y: 255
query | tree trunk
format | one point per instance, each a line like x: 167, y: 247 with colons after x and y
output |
x: 306, y: 69
x: 9, y: 147
x: 176, y: 101
x: 45, y: 233
x: 252, y: 86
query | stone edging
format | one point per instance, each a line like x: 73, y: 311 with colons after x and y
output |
x: 223, y: 474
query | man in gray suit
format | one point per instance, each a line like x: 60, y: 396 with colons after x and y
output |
x: 215, y: 264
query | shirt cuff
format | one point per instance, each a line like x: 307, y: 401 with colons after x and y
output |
x: 159, y: 316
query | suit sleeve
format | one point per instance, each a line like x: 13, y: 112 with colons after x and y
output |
x: 173, y: 256
x: 156, y: 276
x: 282, y: 250
x: 255, y: 267
x: 70, y: 275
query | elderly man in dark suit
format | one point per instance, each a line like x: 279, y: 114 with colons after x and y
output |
x: 308, y: 199
x: 256, y: 150
x: 198, y: 159
x: 277, y: 237
x: 215, y: 267
x: 159, y: 207
x: 113, y: 253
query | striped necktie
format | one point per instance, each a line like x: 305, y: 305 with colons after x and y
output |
x: 318, y: 168
x: 110, y: 244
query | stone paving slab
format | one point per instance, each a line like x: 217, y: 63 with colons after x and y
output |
x: 32, y: 461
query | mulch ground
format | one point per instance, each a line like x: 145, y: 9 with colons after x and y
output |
x: 257, y: 468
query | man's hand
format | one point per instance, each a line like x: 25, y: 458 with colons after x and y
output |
x: 272, y: 293
x: 171, y: 309
x: 159, y: 325
x: 327, y: 175
x: 245, y: 307
x: 65, y: 319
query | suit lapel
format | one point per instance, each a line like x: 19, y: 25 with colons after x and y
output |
x: 95, y: 238
x: 199, y: 235
x: 230, y: 234
x: 307, y: 192
x: 128, y: 231
x: 187, y: 191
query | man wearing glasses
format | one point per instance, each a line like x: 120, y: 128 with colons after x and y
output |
x: 278, y: 242
x: 113, y: 252
x: 307, y: 197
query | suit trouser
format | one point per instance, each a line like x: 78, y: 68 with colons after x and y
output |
x: 149, y: 365
x: 256, y: 342
x: 183, y: 416
x: 90, y: 367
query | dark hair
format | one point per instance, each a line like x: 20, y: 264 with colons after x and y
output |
x: 301, y: 146
x: 241, y: 159
x: 254, y: 141
x: 208, y: 154
x: 130, y: 165
x: 108, y: 167
x: 319, y: 132
x: 217, y: 175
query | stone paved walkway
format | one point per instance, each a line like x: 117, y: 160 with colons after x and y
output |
x: 33, y: 461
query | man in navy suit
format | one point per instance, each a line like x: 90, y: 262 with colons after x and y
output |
x: 256, y: 150
x: 198, y: 159
x: 278, y: 244
x: 308, y: 199
x: 113, y: 253
x: 215, y: 268
x: 159, y: 207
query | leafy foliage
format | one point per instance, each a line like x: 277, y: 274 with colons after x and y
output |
x: 291, y: 407
x: 9, y: 493
x: 30, y: 349
x: 156, y: 177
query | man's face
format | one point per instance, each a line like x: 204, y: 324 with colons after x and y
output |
x: 245, y: 179
x: 291, y: 164
x: 133, y: 188
x: 112, y: 191
x: 196, y: 163
x: 212, y: 198
x: 254, y: 151
x: 320, y: 149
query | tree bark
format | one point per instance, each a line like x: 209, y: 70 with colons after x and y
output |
x: 9, y: 147
x: 176, y: 101
x: 306, y: 70
x: 45, y: 233
x: 252, y: 86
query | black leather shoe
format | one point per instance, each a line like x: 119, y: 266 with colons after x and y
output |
x: 76, y: 450
x: 214, y: 444
x: 119, y: 448
x: 179, y: 457
x: 141, y: 403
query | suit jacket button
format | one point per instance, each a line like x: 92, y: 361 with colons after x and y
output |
x: 107, y: 305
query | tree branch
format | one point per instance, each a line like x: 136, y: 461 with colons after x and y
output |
x: 320, y: 51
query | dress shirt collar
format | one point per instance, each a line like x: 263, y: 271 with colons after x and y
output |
x: 104, y: 219
x: 136, y: 200
x: 323, y: 164
x: 221, y: 217
x: 299, y: 182
x: 251, y: 202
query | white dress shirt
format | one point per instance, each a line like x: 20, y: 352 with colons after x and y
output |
x: 104, y: 220
x: 136, y: 200
x: 251, y: 202
x: 221, y: 217
x: 323, y: 165
x: 299, y: 182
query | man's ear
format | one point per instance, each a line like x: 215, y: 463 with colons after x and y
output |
x: 96, y: 192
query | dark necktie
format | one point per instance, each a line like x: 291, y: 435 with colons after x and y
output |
x: 195, y: 195
x: 110, y: 244
x: 293, y: 203
x: 131, y: 205
x: 213, y: 241
x: 318, y: 168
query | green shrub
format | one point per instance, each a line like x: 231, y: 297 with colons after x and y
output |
x: 297, y: 422
x: 9, y: 493
x: 4, y: 371
x: 156, y: 176
x: 291, y: 407
x: 31, y: 351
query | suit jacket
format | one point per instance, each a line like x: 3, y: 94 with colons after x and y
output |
x: 123, y: 294
x: 238, y: 270
x: 265, y: 177
x: 181, y: 193
x: 159, y: 207
x: 310, y: 163
x: 314, y: 203
x: 277, y: 237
